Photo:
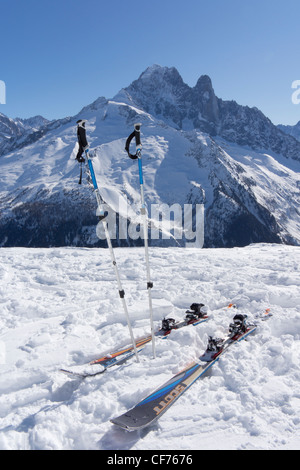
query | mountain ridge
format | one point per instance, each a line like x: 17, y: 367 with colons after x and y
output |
x: 194, y: 152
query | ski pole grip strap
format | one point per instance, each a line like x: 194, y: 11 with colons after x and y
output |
x: 137, y: 134
x: 137, y: 130
x: 127, y: 145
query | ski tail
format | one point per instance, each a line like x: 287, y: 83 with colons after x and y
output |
x: 154, y: 405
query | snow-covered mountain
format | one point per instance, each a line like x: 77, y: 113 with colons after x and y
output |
x: 197, y: 149
x: 8, y: 127
x: 14, y: 128
x: 14, y: 133
x: 33, y: 123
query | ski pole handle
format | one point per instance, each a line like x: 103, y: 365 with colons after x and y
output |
x: 137, y: 134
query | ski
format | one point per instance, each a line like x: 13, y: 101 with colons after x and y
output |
x: 196, y: 315
x: 90, y: 370
x: 154, y: 405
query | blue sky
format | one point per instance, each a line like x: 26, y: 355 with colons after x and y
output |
x: 58, y: 56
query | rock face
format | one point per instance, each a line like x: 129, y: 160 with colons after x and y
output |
x: 14, y: 128
x: 197, y: 149
x: 161, y: 92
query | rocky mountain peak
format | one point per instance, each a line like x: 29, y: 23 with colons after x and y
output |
x: 155, y: 83
x: 157, y: 73
x: 162, y: 92
x: 204, y: 83
x: 13, y: 128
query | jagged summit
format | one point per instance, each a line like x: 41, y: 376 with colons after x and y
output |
x: 162, y: 92
x: 157, y: 82
x: 16, y: 128
x: 160, y: 71
x: 204, y: 83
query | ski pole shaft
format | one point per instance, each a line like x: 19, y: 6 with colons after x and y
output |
x: 113, y: 259
x: 137, y: 135
x: 80, y: 176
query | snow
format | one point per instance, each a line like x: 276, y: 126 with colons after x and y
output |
x: 60, y: 308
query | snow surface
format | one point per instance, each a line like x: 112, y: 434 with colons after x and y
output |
x: 60, y: 308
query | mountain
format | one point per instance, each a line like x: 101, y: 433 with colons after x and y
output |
x: 294, y: 131
x: 8, y: 128
x: 197, y: 149
x: 161, y: 92
x: 15, y: 131
x: 13, y: 128
x: 32, y: 124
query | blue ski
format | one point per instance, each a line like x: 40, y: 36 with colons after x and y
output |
x: 153, y: 406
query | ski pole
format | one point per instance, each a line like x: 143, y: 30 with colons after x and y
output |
x: 80, y: 176
x: 102, y: 219
x: 114, y: 262
x: 138, y: 155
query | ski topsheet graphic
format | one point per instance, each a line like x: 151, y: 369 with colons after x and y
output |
x: 153, y: 406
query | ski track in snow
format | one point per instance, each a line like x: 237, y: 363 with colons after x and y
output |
x: 60, y: 307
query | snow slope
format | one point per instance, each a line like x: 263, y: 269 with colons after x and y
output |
x: 59, y: 307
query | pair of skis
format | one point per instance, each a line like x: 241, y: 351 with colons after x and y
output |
x: 83, y: 147
x: 154, y: 405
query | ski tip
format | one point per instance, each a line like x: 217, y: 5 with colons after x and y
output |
x: 268, y: 312
x: 71, y: 374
